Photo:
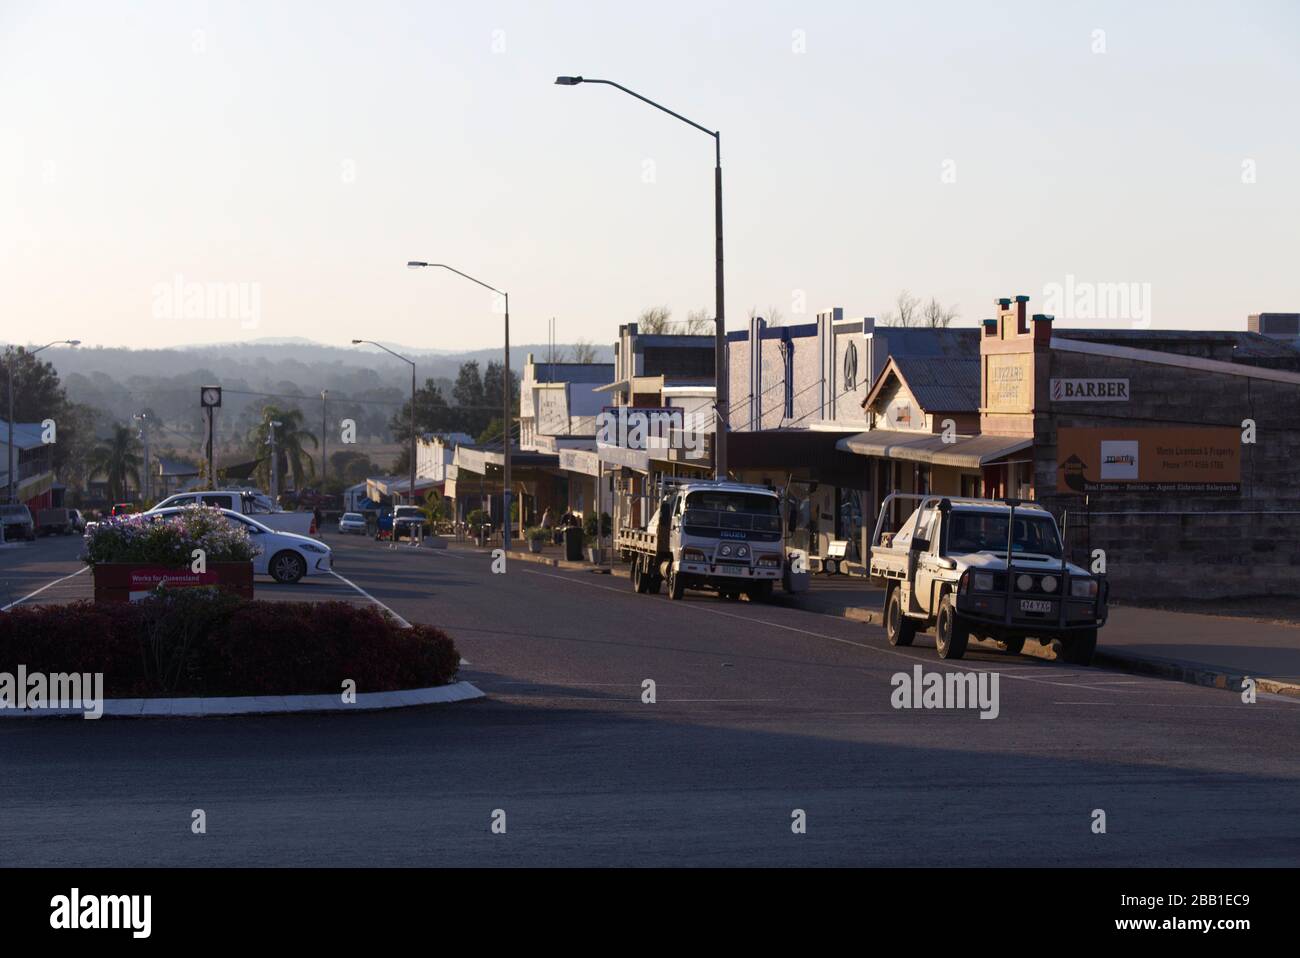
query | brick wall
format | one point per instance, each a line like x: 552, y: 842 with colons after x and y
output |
x: 1176, y: 545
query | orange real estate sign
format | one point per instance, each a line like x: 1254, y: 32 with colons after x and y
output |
x: 1196, y: 459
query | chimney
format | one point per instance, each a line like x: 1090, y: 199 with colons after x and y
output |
x: 1042, y: 328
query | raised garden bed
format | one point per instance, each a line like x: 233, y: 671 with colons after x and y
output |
x: 205, y: 642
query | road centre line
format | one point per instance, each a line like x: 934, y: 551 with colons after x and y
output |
x: 821, y: 635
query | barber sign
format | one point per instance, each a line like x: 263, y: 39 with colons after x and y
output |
x: 1090, y: 390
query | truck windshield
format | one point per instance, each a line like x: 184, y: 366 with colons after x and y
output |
x: 987, y: 532
x: 733, y: 510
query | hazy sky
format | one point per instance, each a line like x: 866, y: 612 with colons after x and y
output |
x: 297, y: 154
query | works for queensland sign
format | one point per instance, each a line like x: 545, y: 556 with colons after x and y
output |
x: 1191, y: 460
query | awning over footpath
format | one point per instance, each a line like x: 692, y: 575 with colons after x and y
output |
x: 970, y: 452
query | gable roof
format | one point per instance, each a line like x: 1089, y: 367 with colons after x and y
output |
x: 937, y: 383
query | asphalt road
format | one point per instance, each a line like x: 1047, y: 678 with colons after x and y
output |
x: 759, y: 711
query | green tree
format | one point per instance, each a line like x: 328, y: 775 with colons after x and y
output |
x: 117, y: 460
x: 291, y: 437
x: 432, y: 414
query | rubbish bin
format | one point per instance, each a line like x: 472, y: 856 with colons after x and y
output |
x: 573, y: 543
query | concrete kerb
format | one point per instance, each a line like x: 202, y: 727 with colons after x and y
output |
x: 190, y: 707
x: 1193, y: 673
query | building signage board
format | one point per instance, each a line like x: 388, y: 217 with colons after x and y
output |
x: 580, y: 460
x: 1187, y: 460
x: 1009, y: 382
x: 1090, y: 390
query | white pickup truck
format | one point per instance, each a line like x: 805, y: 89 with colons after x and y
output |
x: 723, y: 536
x: 991, y: 568
x: 246, y: 502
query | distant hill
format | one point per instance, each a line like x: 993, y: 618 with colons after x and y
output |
x: 365, y: 384
x: 291, y: 360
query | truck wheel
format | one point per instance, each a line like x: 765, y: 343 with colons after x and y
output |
x: 676, y: 587
x: 899, y: 629
x: 950, y: 633
x: 1013, y: 646
x: 762, y: 592
x: 638, y: 576
x: 1078, y: 649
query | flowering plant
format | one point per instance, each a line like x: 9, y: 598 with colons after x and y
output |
x: 169, y: 540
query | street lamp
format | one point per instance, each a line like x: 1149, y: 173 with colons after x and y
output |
x: 357, y: 342
x: 505, y: 390
x: 721, y: 390
x: 272, y: 425
x: 12, y: 354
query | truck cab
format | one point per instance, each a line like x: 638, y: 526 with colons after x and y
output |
x: 988, y: 568
x: 720, y: 536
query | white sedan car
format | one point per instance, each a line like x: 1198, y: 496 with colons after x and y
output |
x: 353, y: 522
x: 285, y: 557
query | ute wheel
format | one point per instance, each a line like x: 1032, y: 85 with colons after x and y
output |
x: 1078, y: 649
x: 899, y: 629
x: 287, y: 567
x: 950, y: 633
x: 676, y: 587
x: 1012, y: 646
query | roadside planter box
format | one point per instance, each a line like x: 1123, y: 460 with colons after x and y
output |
x: 131, y: 581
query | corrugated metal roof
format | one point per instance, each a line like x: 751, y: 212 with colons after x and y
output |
x: 27, y: 435
x: 969, y: 453
x: 941, y: 383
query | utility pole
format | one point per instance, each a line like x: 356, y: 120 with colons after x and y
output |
x: 324, y: 395
x: 275, y: 462
x: 143, y: 419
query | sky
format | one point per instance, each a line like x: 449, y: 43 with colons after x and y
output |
x: 186, y: 172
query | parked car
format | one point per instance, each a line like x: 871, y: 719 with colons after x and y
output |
x: 52, y: 521
x: 353, y: 522
x: 78, y: 520
x: 285, y: 557
x: 248, y: 503
x: 17, y: 522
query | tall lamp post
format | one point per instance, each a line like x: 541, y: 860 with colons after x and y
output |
x: 357, y: 342
x: 272, y: 425
x: 721, y: 390
x: 12, y: 354
x: 505, y: 391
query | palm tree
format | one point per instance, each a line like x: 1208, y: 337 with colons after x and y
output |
x: 117, y: 459
x: 290, y: 449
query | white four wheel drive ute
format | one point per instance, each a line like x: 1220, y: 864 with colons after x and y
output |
x: 991, y: 568
x: 724, y: 536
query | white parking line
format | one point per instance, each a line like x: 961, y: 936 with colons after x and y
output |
x: 404, y: 623
x: 48, y: 585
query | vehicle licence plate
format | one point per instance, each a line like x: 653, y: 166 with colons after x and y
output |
x: 1035, y: 605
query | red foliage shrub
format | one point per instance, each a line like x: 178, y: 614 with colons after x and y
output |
x: 193, y: 643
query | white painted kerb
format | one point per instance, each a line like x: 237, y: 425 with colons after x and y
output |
x: 264, y: 704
